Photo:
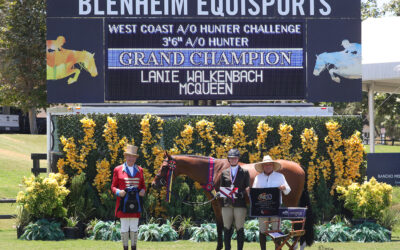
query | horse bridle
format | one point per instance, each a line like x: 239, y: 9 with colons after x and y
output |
x: 171, y: 167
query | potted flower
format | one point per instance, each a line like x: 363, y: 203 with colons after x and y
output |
x: 90, y: 227
x: 367, y: 201
x: 22, y: 219
x: 389, y: 219
x: 71, y: 231
x: 184, y: 228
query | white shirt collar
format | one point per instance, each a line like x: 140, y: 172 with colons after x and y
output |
x: 269, y: 174
x: 130, y: 167
x: 234, y: 169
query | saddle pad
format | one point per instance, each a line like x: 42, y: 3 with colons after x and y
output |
x: 277, y: 235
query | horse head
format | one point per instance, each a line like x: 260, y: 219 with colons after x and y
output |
x: 320, y: 64
x: 89, y: 64
x: 160, y: 179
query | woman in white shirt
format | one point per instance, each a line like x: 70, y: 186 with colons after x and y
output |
x: 269, y: 178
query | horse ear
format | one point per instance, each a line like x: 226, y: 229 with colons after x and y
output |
x: 93, y: 54
x: 167, y: 155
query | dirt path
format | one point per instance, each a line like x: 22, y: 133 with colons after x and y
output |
x: 11, y: 139
x: 8, y: 153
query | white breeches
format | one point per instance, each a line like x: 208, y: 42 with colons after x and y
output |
x: 129, y: 224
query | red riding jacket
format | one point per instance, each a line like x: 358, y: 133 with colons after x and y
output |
x: 122, y: 180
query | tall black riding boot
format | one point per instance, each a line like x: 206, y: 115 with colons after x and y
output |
x: 227, y: 238
x: 263, y: 241
x: 240, y: 238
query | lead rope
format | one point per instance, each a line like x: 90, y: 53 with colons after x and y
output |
x: 190, y: 203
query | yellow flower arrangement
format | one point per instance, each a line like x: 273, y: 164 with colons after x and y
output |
x: 182, y: 144
x: 354, y: 155
x: 255, y: 157
x: 159, y: 209
x: 262, y: 132
x: 110, y: 135
x: 347, y: 164
x: 43, y: 197
x: 334, y: 141
x: 227, y: 143
x: 282, y: 151
x: 158, y: 152
x: 87, y: 143
x: 103, y: 175
x: 309, y: 142
x: 60, y: 165
x: 205, y: 129
x: 73, y: 159
x: 148, y: 140
x: 325, y: 167
x: 367, y: 200
x: 146, y: 135
x: 239, y: 137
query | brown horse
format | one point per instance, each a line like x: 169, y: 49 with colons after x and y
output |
x: 196, y: 168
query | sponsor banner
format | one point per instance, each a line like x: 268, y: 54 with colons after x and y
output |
x: 203, y: 60
x: 334, y: 61
x: 127, y: 50
x: 384, y: 167
x: 75, y: 61
x: 204, y: 8
x: 292, y: 212
x: 264, y: 202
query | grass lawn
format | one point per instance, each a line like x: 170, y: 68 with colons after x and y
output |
x: 8, y: 241
x: 384, y: 149
x: 15, y: 160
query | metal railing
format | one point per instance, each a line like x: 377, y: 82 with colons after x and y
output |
x: 36, y: 170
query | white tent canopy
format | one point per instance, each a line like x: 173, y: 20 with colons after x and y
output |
x: 380, y: 61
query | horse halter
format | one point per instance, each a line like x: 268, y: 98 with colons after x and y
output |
x: 171, y: 167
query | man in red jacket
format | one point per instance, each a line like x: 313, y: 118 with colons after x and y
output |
x: 128, y: 177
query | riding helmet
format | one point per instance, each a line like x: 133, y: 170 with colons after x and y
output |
x: 233, y: 153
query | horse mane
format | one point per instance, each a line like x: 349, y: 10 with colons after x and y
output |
x: 195, y: 156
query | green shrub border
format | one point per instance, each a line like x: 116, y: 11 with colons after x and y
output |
x: 129, y: 126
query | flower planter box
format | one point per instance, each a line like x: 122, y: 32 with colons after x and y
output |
x: 361, y: 221
x: 186, y: 235
x: 71, y: 232
x: 20, y: 231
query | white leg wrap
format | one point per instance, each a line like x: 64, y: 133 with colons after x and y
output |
x: 125, y: 239
x: 134, y: 236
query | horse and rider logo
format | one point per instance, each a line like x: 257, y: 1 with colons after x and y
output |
x: 265, y: 197
x: 62, y: 63
x: 345, y: 63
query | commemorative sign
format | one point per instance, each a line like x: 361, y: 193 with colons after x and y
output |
x: 204, y: 60
x: 384, y: 167
x: 264, y: 202
x: 123, y: 50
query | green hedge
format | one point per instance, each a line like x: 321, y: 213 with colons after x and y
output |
x: 129, y: 126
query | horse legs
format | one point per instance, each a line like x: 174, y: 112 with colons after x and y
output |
x: 75, y: 78
x: 220, y: 225
x: 332, y: 72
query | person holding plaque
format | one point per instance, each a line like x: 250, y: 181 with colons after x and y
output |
x: 129, y: 186
x: 269, y: 178
x: 235, y: 182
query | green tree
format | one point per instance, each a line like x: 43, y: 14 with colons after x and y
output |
x: 369, y: 8
x: 388, y: 114
x: 22, y: 56
x: 392, y: 7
